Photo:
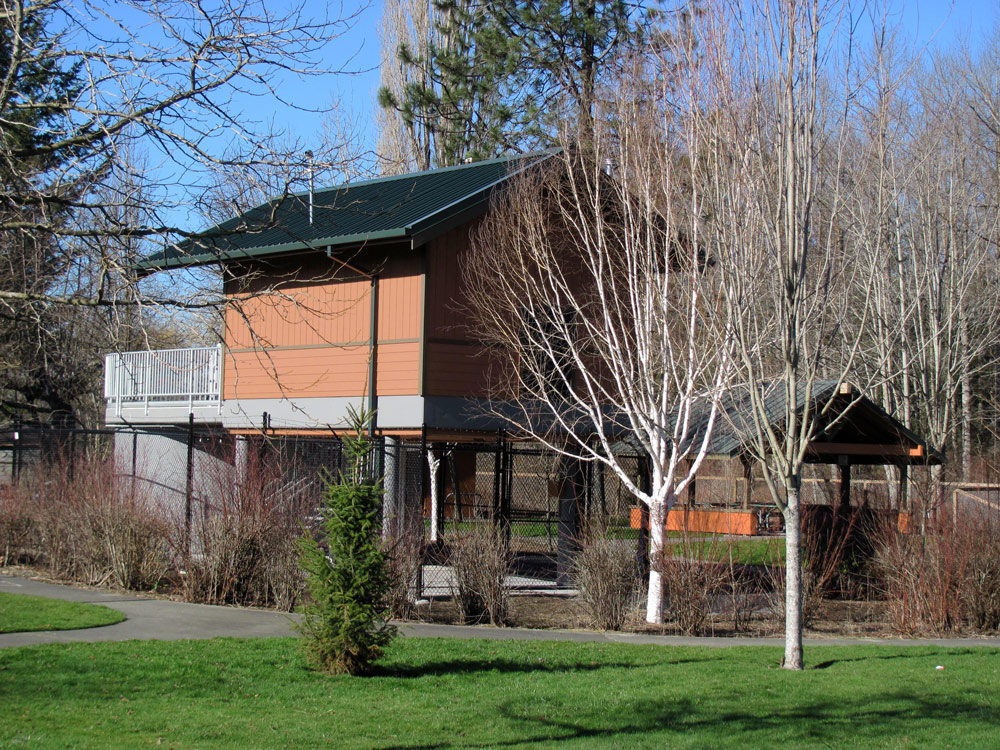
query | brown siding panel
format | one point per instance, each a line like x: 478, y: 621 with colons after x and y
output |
x: 310, y: 339
x: 444, y: 284
x: 399, y: 300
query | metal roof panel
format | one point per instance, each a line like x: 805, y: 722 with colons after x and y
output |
x: 347, y: 214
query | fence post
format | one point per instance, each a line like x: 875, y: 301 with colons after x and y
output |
x: 189, y: 486
x: 506, y: 486
x: 424, y: 479
x: 497, y: 473
x: 135, y: 450
x: 571, y: 479
x: 15, y: 459
x: 642, y: 549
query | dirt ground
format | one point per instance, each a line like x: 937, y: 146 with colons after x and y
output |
x: 833, y: 618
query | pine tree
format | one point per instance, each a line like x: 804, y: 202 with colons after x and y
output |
x: 566, y: 47
x: 465, y: 88
x: 38, y: 374
x: 482, y: 79
x: 345, y: 627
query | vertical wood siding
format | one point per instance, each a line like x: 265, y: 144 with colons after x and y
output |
x: 310, y: 337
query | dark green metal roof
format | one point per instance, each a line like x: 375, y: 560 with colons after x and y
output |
x: 408, y: 207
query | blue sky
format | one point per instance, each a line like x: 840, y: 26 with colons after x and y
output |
x: 930, y: 24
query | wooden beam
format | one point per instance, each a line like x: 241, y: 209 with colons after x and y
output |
x: 866, y: 449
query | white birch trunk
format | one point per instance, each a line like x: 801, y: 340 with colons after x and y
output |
x: 793, y: 581
x: 434, y: 465
x: 657, y: 537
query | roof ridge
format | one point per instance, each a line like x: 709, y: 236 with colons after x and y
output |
x: 411, y: 175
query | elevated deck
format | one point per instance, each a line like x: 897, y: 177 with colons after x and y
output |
x: 163, y: 386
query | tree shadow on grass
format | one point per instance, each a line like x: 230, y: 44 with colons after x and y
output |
x: 916, y: 653
x: 504, y: 666
x: 823, y: 723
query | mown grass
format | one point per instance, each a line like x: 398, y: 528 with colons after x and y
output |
x: 449, y: 694
x: 21, y: 613
x: 705, y: 546
x: 770, y: 551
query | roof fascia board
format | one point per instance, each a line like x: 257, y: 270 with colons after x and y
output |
x: 288, y: 248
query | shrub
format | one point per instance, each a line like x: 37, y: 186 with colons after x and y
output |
x: 17, y: 529
x: 480, y: 560
x: 944, y: 578
x: 405, y: 556
x: 745, y: 589
x: 134, y: 538
x: 982, y: 586
x: 607, y: 573
x: 834, y: 549
x: 83, y: 525
x: 243, y: 549
x: 690, y: 586
x: 346, y: 627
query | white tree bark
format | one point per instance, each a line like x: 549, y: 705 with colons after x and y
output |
x: 433, y: 466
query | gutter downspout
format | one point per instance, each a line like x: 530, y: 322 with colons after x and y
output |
x: 373, y: 360
x: 372, y: 341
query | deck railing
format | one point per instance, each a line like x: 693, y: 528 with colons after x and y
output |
x: 164, y: 377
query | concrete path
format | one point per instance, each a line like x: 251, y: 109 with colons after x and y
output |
x: 164, y: 620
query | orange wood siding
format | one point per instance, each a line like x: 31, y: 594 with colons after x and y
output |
x: 310, y: 337
x: 455, y: 370
x: 399, y: 300
x: 326, y: 372
x: 301, y: 313
x: 743, y: 523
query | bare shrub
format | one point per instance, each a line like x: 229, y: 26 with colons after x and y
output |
x: 745, y: 589
x: 406, y: 556
x: 944, y: 578
x: 607, y: 573
x: 691, y: 586
x: 921, y: 576
x: 17, y: 528
x: 831, y: 544
x: 131, y: 540
x: 480, y: 560
x: 243, y: 547
x: 87, y: 526
x: 982, y: 585
x: 691, y: 581
x: 66, y: 493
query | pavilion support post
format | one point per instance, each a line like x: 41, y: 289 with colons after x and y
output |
x: 904, y: 487
x: 844, y: 497
x: 747, y: 482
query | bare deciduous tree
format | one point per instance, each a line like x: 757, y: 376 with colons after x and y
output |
x: 590, y: 287
x: 783, y: 238
x: 118, y: 119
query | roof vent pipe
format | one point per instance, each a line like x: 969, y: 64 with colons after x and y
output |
x: 309, y: 156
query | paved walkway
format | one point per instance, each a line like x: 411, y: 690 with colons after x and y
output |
x: 164, y: 620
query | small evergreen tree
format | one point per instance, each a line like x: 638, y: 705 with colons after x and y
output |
x: 346, y: 620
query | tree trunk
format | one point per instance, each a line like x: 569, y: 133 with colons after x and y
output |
x: 433, y: 466
x: 657, y: 534
x: 793, y: 581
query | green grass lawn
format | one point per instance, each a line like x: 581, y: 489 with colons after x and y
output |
x: 744, y: 551
x: 20, y: 613
x: 451, y: 694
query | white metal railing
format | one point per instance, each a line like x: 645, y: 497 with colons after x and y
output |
x: 164, y: 377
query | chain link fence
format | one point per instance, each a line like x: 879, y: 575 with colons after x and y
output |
x: 436, y: 493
